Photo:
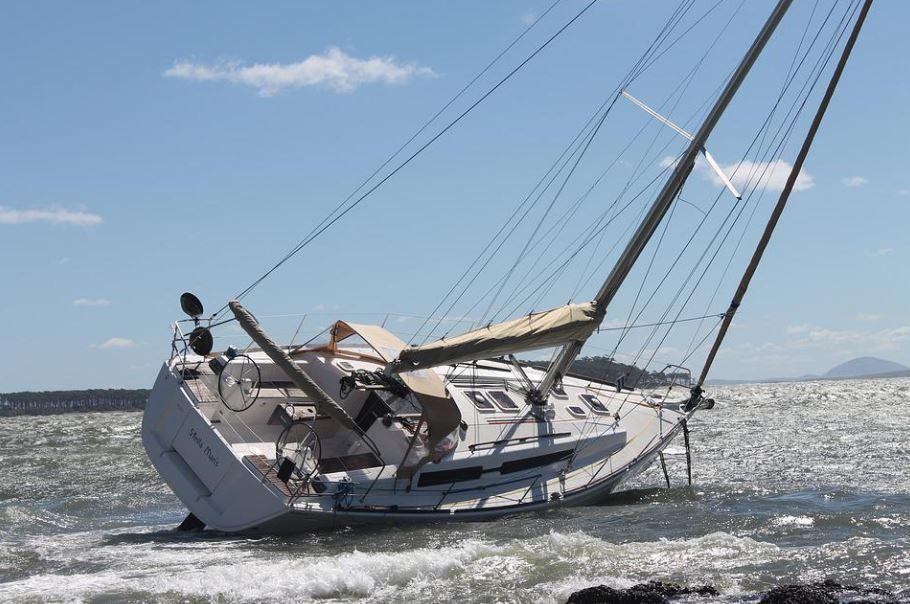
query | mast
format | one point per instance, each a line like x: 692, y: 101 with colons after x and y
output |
x: 782, y: 200
x: 662, y: 203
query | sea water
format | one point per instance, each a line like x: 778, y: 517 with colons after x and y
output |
x: 792, y: 482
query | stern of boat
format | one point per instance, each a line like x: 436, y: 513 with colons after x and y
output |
x: 198, y: 464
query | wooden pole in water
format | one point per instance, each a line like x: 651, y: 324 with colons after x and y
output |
x: 782, y: 200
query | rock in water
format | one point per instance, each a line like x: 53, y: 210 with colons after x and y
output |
x: 826, y: 592
x: 658, y: 592
x: 601, y: 594
x: 653, y: 592
x: 800, y: 594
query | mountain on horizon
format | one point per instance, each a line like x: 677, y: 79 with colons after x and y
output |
x: 865, y: 366
x: 860, y: 367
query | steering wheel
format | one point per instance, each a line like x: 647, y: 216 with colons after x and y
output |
x: 238, y: 383
x: 300, y: 444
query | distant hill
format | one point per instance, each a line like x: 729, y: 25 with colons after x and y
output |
x: 865, y: 367
x: 607, y: 369
x: 862, y: 367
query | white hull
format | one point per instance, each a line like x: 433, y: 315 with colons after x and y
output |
x: 216, y: 461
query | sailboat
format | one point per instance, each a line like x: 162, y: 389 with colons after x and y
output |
x: 363, y: 428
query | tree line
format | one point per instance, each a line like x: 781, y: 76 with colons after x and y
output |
x: 63, y: 401
x: 608, y: 369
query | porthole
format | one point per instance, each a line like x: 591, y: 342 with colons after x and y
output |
x: 344, y: 366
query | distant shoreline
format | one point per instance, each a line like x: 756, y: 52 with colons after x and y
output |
x: 52, y: 402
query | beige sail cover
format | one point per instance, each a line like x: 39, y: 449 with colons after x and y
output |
x: 441, y: 412
x: 570, y: 323
x: 386, y: 344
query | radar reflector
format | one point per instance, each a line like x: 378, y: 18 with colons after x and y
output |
x: 191, y: 305
x: 201, y: 341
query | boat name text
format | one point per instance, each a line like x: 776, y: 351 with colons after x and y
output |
x: 206, y: 449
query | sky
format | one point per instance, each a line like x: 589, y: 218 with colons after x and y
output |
x: 151, y: 149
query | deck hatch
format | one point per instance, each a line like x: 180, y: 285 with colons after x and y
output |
x: 594, y: 403
x: 576, y: 410
x: 503, y: 400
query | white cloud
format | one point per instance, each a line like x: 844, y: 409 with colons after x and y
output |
x: 854, y: 181
x: 867, y: 317
x: 54, y: 215
x: 882, y: 251
x: 810, y: 349
x: 91, y: 302
x: 903, y: 192
x: 668, y: 161
x: 333, y: 69
x: 855, y: 342
x: 117, y: 343
x: 528, y: 18
x: 773, y: 175
x: 613, y: 324
x: 795, y: 329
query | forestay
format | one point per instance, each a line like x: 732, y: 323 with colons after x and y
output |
x: 570, y: 323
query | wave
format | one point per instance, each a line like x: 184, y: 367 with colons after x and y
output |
x: 549, y: 567
x: 776, y: 500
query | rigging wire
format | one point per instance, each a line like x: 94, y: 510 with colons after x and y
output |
x: 762, y: 158
x: 560, y: 225
x: 638, y: 172
x: 823, y: 61
x: 793, y: 63
x: 636, y: 70
x: 587, y: 236
x: 761, y: 133
x: 327, y: 224
x: 546, y: 213
x: 436, y: 115
x: 543, y: 218
x: 843, y: 26
x: 679, y: 193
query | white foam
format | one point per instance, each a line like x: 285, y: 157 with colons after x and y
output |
x: 793, y: 521
x: 207, y: 569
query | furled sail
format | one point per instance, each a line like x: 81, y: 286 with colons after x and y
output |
x: 570, y: 323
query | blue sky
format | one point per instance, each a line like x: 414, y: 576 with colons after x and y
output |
x: 151, y: 149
